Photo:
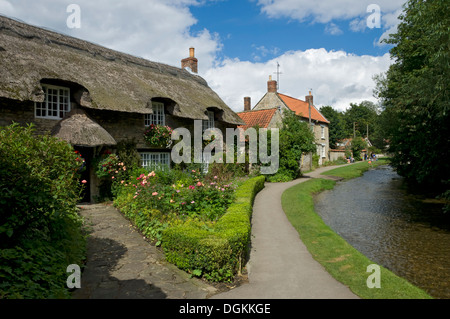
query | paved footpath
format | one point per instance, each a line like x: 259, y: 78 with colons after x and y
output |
x: 122, y: 264
x: 280, y: 266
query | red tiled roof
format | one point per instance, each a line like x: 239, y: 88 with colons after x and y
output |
x: 301, y: 108
x: 261, y: 118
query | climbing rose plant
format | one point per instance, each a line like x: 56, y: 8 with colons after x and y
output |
x: 158, y: 136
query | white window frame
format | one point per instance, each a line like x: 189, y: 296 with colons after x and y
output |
x: 322, y: 127
x: 158, y: 117
x: 56, y: 104
x: 209, y: 123
x: 206, y: 159
x: 323, y: 153
x: 155, y: 160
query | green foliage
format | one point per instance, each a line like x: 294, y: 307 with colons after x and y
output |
x: 158, y: 136
x: 295, y: 139
x: 356, y: 170
x: 185, y: 194
x: 358, y: 144
x: 107, y: 166
x: 40, y: 230
x: 315, y: 160
x: 359, y: 116
x: 337, y: 129
x: 127, y: 152
x: 415, y: 93
x: 217, y: 251
x: 360, y: 120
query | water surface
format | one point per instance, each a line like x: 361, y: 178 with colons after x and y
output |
x: 394, y: 228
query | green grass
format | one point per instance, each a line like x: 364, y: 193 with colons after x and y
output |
x: 341, y: 260
x: 355, y: 170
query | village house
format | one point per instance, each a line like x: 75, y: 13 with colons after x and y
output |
x: 267, y: 113
x: 94, y: 97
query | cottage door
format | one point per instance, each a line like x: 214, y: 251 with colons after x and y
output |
x: 87, y: 153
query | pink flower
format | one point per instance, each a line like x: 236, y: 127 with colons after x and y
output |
x: 192, y: 202
x: 84, y: 181
x: 215, y: 177
x: 199, y: 184
x: 191, y: 187
x: 155, y: 194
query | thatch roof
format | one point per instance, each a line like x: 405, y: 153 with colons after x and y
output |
x: 78, y: 129
x: 114, y: 81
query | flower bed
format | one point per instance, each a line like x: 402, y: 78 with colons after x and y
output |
x: 155, y: 200
x: 216, y: 252
x: 203, y: 224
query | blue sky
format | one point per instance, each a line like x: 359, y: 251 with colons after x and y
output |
x: 323, y: 45
x: 249, y: 34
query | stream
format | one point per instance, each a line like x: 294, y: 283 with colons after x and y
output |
x: 404, y: 232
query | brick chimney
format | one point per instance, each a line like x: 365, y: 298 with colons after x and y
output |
x: 247, y: 104
x: 271, y: 85
x: 190, y: 62
x: 309, y: 98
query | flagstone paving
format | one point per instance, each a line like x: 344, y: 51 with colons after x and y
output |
x: 121, y: 264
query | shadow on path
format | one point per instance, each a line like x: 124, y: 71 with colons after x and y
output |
x: 98, y: 281
x: 121, y: 264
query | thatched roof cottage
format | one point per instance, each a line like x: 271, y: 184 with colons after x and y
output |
x: 94, y: 97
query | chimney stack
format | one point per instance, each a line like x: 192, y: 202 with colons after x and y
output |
x: 271, y: 85
x: 191, y: 62
x: 247, y: 104
x: 309, y: 98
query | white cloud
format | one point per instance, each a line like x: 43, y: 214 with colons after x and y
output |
x: 324, y: 11
x: 263, y: 52
x: 390, y: 23
x: 357, y: 25
x: 332, y: 29
x: 158, y: 30
x: 336, y: 77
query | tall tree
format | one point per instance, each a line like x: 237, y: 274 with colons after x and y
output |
x: 415, y: 93
x: 337, y: 129
x: 361, y: 118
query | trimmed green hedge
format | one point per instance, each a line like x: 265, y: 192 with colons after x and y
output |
x: 216, y: 253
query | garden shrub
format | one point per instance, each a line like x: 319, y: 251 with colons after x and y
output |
x: 217, y: 252
x: 40, y: 229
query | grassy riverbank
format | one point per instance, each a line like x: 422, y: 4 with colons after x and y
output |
x: 340, y: 259
x: 355, y: 170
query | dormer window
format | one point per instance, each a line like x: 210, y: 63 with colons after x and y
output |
x: 209, y: 123
x: 158, y: 117
x: 56, y: 103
